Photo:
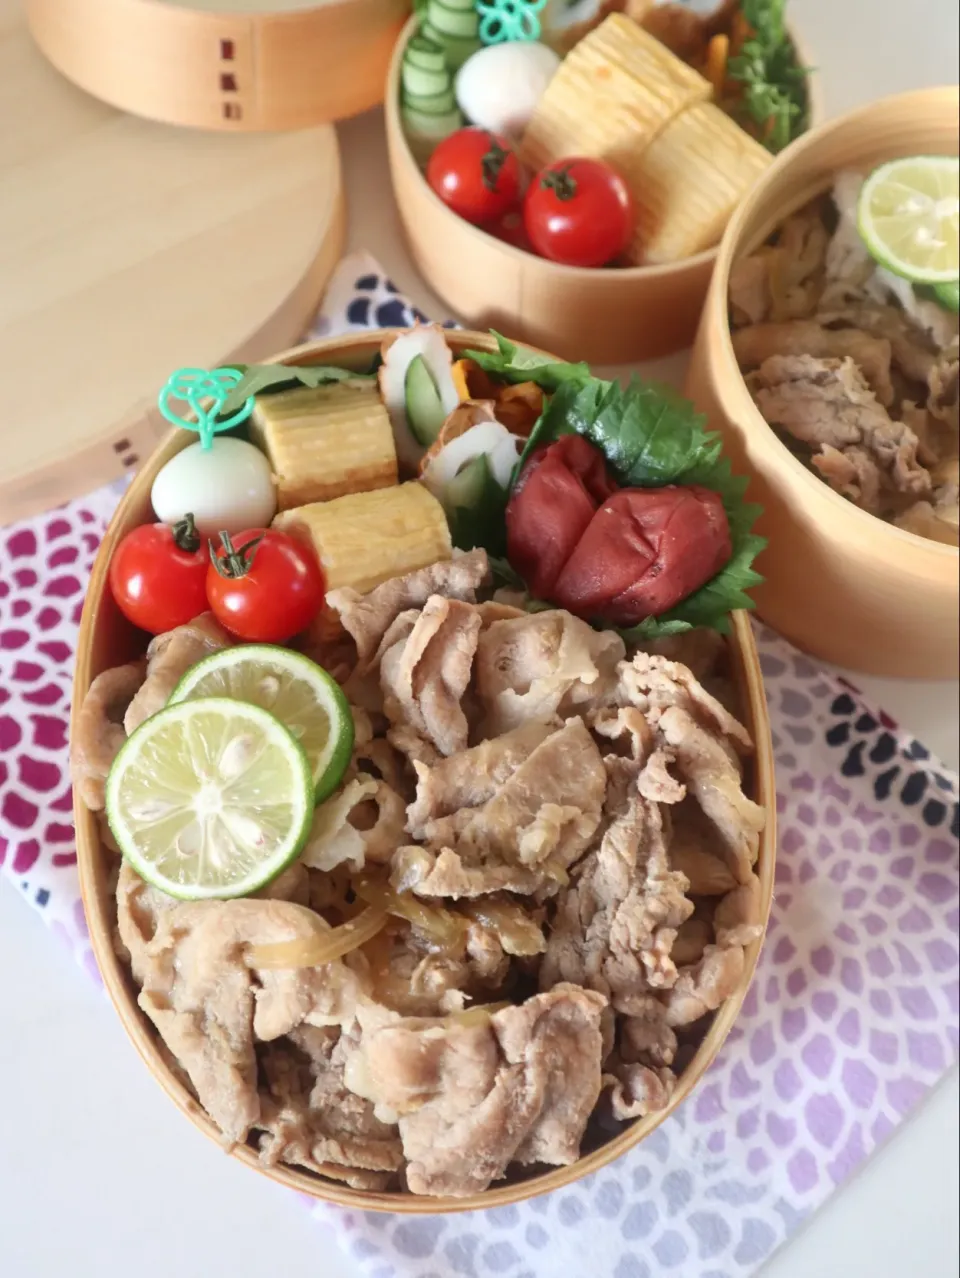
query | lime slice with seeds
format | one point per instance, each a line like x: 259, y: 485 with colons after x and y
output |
x: 210, y: 799
x: 306, y: 700
x: 909, y: 217
x: 948, y: 295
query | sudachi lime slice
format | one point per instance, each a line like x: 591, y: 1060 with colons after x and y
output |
x: 210, y: 798
x: 948, y: 295
x: 306, y: 700
x: 909, y: 217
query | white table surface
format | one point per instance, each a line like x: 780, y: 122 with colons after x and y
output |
x: 100, y: 1176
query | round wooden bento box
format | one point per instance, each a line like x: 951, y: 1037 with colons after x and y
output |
x: 107, y: 640
x: 236, y: 65
x: 605, y: 316
x: 840, y: 583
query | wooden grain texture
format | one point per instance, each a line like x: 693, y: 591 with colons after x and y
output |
x: 128, y: 249
x: 286, y: 67
x: 606, y: 316
x: 841, y: 584
x: 107, y: 640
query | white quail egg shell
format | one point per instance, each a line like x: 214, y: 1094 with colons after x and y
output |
x: 228, y: 487
x: 499, y: 86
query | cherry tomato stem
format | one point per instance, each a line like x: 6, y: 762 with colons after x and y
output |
x: 185, y: 535
x: 234, y: 562
x: 560, y: 182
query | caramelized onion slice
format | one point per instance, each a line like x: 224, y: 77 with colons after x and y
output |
x: 441, y: 928
x: 325, y: 945
x: 516, y: 931
x: 478, y: 1015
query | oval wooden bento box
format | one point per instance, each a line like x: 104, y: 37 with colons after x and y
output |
x: 841, y: 584
x: 288, y: 64
x: 615, y: 316
x: 107, y: 640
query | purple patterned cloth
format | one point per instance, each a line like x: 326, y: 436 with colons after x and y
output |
x: 851, y: 1019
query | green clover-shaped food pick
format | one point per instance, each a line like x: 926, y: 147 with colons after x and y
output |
x: 503, y: 20
x: 205, y: 392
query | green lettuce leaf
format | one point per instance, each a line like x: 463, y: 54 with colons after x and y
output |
x: 258, y: 379
x: 512, y: 363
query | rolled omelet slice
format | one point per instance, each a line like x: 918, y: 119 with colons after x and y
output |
x: 688, y: 182
x: 325, y: 442
x: 611, y: 96
x: 365, y: 538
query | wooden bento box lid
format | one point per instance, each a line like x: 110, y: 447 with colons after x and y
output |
x: 236, y: 65
x: 128, y: 249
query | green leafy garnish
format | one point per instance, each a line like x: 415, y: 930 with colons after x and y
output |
x: 558, y: 418
x: 258, y: 379
x: 773, y: 83
x: 511, y: 363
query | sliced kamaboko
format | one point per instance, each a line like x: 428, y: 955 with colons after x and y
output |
x: 486, y: 439
x: 417, y: 385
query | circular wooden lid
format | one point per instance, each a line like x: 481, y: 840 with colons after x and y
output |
x: 234, y: 65
x: 128, y: 249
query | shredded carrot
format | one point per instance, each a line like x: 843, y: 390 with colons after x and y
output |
x: 717, y: 51
x: 459, y: 372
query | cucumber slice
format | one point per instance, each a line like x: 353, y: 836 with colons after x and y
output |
x: 437, y: 104
x: 476, y: 505
x: 424, y: 407
x: 418, y: 82
x: 456, y: 49
x: 433, y: 127
x: 423, y: 132
x: 462, y: 6
x: 461, y: 23
x: 467, y: 488
x: 425, y: 53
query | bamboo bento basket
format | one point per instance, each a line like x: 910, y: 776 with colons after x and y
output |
x: 840, y: 583
x: 106, y: 640
x: 236, y: 65
x: 603, y: 316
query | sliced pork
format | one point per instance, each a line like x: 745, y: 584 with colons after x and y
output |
x: 472, y: 1096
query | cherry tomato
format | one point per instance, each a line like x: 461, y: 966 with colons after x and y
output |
x: 158, y: 575
x: 579, y: 212
x: 264, y: 585
x: 510, y: 230
x: 476, y: 174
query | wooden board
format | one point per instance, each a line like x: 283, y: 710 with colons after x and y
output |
x: 128, y: 249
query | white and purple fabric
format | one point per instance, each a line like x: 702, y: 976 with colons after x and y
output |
x: 852, y: 1017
